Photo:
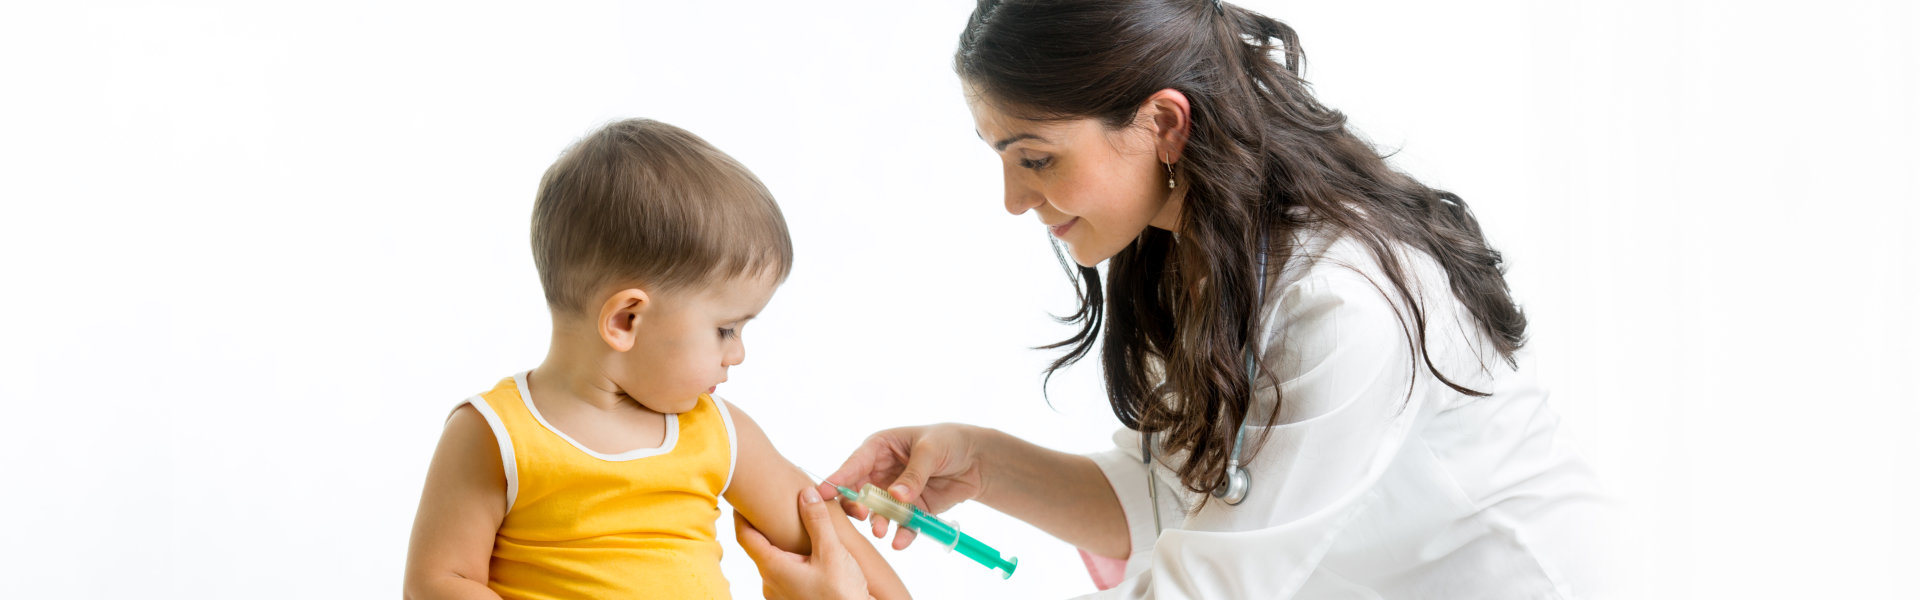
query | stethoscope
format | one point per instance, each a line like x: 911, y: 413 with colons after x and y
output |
x: 1234, y: 489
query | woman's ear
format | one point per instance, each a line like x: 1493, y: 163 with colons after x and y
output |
x: 1169, y: 117
x: 620, y: 318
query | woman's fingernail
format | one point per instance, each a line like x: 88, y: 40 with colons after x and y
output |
x: 899, y: 491
x: 810, y: 495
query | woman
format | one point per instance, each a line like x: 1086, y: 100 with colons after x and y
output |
x: 1318, y: 353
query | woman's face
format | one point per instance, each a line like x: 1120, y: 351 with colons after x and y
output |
x: 1096, y: 189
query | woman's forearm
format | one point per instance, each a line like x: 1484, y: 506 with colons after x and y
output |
x: 1063, y: 494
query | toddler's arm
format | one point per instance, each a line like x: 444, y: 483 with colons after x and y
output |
x: 763, y: 490
x: 461, y: 508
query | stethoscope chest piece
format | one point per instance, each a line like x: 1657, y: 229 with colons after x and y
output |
x: 1234, y: 489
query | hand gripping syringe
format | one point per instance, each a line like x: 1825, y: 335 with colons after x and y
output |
x: 912, y: 517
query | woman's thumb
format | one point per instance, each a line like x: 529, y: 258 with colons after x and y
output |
x: 913, y: 477
x: 818, y: 520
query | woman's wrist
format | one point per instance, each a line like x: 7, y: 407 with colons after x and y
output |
x: 1010, y: 467
x: 1064, y: 494
x: 985, y: 447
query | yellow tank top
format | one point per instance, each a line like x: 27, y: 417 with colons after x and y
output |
x: 582, y: 524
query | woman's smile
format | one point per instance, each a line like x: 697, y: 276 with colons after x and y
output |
x: 1061, y: 229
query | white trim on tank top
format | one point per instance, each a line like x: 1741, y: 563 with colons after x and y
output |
x: 500, y: 436
x: 673, y: 429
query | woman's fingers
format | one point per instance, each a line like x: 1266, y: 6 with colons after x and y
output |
x: 901, y: 535
x: 829, y: 571
x: 859, y: 466
x: 906, y: 460
x: 819, y: 524
x: 874, y: 461
x: 853, y: 509
x: 924, y: 462
x: 756, y: 544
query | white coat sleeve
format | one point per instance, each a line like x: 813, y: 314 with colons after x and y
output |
x: 1338, y: 346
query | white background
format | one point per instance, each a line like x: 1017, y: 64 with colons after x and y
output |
x: 251, y: 256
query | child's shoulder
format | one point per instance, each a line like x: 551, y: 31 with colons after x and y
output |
x: 731, y: 410
x: 468, y: 434
x: 466, y: 463
x: 465, y: 418
x: 749, y: 440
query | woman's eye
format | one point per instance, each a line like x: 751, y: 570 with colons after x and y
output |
x: 728, y: 332
x: 1036, y: 163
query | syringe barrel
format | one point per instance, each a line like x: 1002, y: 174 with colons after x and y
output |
x: 954, y: 539
x: 986, y: 555
x: 934, y: 528
x: 942, y: 532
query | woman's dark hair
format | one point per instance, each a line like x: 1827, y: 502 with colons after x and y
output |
x: 1178, y: 313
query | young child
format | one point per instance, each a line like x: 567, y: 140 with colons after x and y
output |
x: 598, y: 473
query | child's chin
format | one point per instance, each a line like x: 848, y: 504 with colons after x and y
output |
x: 674, y: 406
x: 688, y: 404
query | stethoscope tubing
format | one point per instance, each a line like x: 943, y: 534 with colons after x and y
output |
x: 1234, y: 490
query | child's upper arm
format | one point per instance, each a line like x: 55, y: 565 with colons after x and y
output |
x: 765, y: 485
x: 461, y: 507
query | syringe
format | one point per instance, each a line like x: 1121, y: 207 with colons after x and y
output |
x: 911, y: 517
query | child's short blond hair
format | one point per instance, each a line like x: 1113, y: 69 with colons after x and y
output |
x: 645, y: 202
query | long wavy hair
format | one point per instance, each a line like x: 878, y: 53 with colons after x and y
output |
x: 1177, y: 316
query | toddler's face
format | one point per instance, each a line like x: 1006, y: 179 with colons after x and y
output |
x: 687, y: 341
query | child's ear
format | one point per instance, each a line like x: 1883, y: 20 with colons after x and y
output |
x: 620, y: 317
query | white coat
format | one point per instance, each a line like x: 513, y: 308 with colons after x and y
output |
x: 1379, y: 481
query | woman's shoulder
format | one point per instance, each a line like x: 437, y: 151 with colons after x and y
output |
x: 1323, y: 251
x: 1331, y: 298
x: 1335, y: 293
x: 1326, y: 266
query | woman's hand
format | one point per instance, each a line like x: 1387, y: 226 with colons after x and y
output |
x: 830, y: 572
x: 933, y: 466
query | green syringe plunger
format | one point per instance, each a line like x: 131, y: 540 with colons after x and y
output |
x: 911, y: 517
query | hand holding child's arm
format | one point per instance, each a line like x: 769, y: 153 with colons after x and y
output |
x: 460, y: 511
x: 764, y: 487
x: 829, y: 572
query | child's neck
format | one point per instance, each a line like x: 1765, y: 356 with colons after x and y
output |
x: 574, y: 371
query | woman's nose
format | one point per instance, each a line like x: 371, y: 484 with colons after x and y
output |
x: 1021, y: 199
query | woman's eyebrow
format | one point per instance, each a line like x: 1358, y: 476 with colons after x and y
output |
x: 1002, y: 144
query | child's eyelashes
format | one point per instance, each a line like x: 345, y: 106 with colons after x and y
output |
x: 1036, y: 163
x: 729, y: 333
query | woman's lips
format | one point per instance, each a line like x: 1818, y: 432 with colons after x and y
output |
x: 1061, y: 229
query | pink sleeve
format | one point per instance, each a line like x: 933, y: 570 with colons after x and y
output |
x: 1106, y: 572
